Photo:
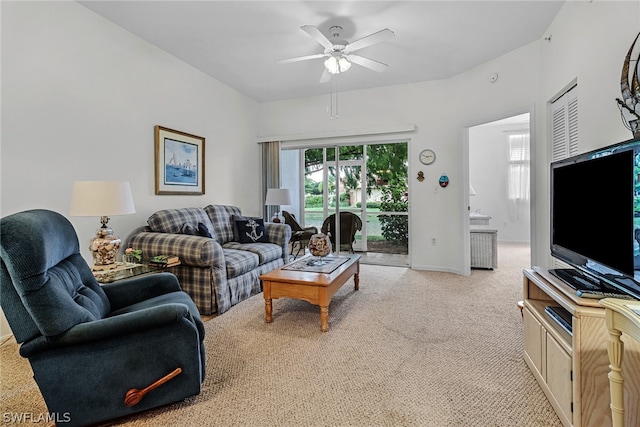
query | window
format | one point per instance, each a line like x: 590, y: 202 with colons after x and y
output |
x: 519, y: 164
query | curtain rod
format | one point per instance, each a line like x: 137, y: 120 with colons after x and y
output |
x: 376, y: 130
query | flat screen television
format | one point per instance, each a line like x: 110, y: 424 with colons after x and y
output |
x: 595, y: 215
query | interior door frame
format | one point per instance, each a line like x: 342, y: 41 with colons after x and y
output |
x: 464, y: 194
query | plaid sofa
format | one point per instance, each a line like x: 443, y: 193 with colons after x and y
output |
x: 217, y: 271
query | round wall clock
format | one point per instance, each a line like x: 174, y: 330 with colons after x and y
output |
x: 427, y: 156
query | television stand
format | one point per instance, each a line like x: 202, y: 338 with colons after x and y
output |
x: 572, y: 370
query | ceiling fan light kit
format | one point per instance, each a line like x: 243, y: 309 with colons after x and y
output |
x: 337, y: 65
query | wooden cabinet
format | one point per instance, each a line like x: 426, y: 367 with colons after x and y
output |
x: 572, y: 369
x: 559, y: 371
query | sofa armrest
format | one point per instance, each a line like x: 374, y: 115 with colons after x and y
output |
x: 279, y: 234
x: 195, y: 251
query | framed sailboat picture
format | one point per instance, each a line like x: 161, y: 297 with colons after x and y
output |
x: 179, y: 162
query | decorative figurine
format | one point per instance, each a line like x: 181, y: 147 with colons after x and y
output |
x: 630, y: 85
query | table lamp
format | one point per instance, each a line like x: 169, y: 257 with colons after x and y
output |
x: 277, y: 197
x: 102, y: 198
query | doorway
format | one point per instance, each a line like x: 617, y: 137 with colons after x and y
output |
x: 367, y: 180
x: 499, y: 178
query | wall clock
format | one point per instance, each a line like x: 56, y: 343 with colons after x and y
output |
x: 427, y: 156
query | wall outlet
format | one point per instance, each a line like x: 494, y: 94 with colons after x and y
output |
x: 433, y: 242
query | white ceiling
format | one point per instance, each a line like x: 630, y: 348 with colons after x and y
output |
x: 240, y: 42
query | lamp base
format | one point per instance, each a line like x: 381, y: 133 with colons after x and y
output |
x: 277, y: 218
x: 104, y: 248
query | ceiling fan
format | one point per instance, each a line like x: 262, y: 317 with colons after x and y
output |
x: 339, y: 52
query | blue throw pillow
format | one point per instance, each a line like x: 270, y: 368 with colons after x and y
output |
x: 251, y: 230
x: 187, y: 229
x: 236, y: 218
x: 203, y: 230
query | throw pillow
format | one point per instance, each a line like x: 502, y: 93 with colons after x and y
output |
x: 187, y: 229
x: 173, y: 220
x: 203, y: 231
x: 251, y: 230
x: 235, y: 218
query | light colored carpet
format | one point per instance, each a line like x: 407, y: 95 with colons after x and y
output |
x: 410, y: 348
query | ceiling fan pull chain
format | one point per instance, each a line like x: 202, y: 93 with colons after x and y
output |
x: 336, y: 90
x: 333, y: 107
x: 331, y: 102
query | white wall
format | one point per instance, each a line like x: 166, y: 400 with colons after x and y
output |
x: 80, y: 99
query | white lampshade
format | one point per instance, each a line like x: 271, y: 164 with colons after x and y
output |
x: 101, y: 198
x: 278, y: 197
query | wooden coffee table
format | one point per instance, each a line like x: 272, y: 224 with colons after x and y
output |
x: 316, y: 288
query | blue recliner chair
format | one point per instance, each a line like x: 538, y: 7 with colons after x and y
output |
x: 89, y: 345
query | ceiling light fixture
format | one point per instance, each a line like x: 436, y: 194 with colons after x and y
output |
x: 337, y: 64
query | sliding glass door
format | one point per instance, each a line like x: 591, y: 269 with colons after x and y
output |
x: 368, y: 180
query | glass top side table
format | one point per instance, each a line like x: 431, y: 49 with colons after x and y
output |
x: 125, y: 270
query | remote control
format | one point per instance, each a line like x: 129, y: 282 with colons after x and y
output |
x: 587, y: 284
x: 600, y: 294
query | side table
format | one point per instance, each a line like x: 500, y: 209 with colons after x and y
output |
x: 125, y: 270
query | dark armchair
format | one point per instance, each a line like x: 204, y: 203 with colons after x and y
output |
x: 89, y: 345
x: 350, y: 223
x: 299, y: 236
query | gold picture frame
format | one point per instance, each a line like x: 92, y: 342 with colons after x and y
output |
x: 179, y: 162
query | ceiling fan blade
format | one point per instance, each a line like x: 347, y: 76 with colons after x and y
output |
x: 374, y: 38
x: 315, y: 33
x: 368, y: 63
x: 326, y: 76
x: 301, y: 58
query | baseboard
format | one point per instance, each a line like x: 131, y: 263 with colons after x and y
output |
x: 438, y: 269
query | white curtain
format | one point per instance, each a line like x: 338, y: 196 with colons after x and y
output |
x: 519, y: 176
x: 270, y: 173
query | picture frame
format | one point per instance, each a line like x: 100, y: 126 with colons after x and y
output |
x: 179, y: 162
